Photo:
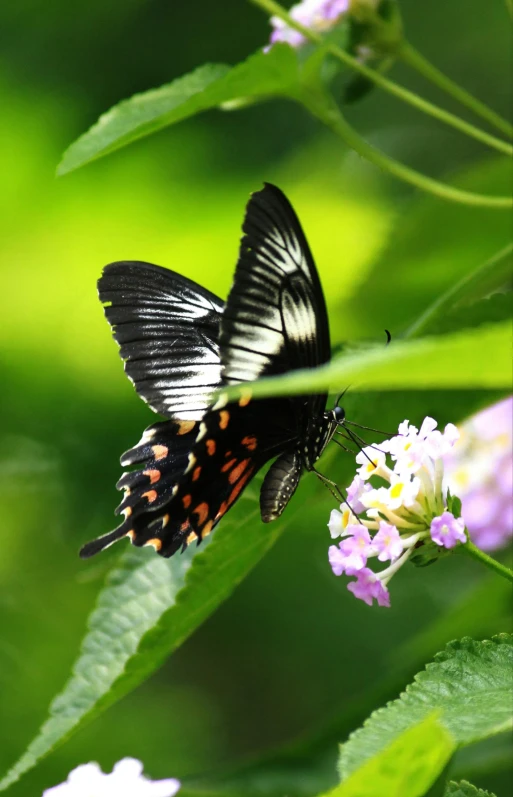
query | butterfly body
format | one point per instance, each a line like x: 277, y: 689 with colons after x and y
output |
x: 182, y: 344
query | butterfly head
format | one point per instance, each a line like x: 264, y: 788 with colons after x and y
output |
x: 339, y: 415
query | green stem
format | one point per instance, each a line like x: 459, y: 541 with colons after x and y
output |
x: 388, y: 85
x: 476, y: 553
x: 461, y: 289
x: 328, y: 113
x: 509, y: 5
x: 413, y: 58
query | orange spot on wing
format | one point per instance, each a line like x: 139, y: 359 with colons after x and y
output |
x: 151, y: 495
x: 239, y: 486
x: 250, y: 442
x: 127, y: 511
x: 186, y: 501
x: 131, y: 534
x: 211, y: 447
x: 222, y: 509
x: 154, y: 475
x: 228, y: 454
x: 165, y: 520
x: 228, y: 465
x: 192, y: 536
x: 207, y: 528
x: 202, y: 512
x: 196, y: 473
x: 160, y: 452
x: 155, y: 543
x: 185, y: 426
x: 224, y: 419
x: 245, y: 398
x: 237, y: 471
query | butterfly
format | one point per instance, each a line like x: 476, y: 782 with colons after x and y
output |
x: 181, y: 345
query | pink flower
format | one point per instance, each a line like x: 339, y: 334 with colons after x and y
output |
x: 319, y: 15
x: 352, y: 552
x: 387, y: 542
x: 447, y: 530
x: 354, y: 493
x: 479, y: 471
x: 368, y: 587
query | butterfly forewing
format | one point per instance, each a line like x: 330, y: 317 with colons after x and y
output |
x: 168, y: 329
x: 275, y: 316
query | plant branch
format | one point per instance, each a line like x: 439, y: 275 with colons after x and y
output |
x: 388, y: 85
x: 417, y: 61
x: 446, y: 300
x: 327, y: 112
x: 476, y: 553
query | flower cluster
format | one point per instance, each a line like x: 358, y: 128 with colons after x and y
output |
x: 407, y: 510
x: 480, y: 470
x: 125, y: 780
x: 318, y: 15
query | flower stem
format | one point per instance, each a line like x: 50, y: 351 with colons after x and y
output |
x: 327, y: 112
x: 388, y: 85
x: 416, y: 60
x: 462, y: 289
x: 476, y: 553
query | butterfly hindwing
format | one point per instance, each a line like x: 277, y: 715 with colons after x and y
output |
x: 161, y: 457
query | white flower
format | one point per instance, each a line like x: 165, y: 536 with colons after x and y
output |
x: 407, y: 516
x: 373, y: 463
x: 125, y: 780
x: 339, y: 521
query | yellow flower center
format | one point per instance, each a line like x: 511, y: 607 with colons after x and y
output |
x: 396, y: 490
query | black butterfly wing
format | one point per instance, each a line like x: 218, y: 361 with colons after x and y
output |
x: 277, y: 303
x: 161, y: 457
x: 274, y: 320
x: 167, y: 327
x: 275, y: 317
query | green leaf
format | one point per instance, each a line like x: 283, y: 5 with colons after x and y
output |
x: 469, y: 683
x: 434, y: 247
x: 261, y: 75
x: 492, y: 309
x: 465, y: 789
x: 491, y: 276
x: 407, y: 767
x: 147, y: 609
x: 473, y: 358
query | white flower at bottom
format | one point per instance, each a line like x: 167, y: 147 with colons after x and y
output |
x: 125, y: 780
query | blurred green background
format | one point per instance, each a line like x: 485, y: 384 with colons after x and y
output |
x: 291, y: 660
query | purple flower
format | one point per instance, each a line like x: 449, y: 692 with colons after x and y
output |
x: 319, y: 15
x: 125, y: 780
x: 387, y: 542
x: 368, y: 587
x: 352, y: 552
x: 479, y: 471
x: 447, y: 530
x: 354, y: 493
x: 336, y: 560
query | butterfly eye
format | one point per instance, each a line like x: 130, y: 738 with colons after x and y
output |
x: 339, y: 414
